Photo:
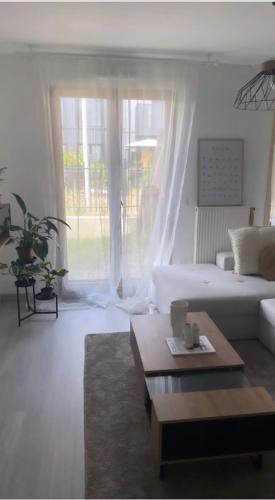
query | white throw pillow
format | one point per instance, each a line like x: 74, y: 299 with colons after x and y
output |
x: 247, y: 244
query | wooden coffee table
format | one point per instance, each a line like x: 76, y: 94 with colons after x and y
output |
x: 153, y: 357
x: 212, y: 424
x: 200, y: 406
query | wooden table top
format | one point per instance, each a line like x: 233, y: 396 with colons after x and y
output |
x: 211, y: 405
x: 151, y: 330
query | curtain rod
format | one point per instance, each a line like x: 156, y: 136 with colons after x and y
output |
x: 108, y: 52
x: 57, y: 50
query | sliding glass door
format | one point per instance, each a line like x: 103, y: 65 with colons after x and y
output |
x: 112, y: 147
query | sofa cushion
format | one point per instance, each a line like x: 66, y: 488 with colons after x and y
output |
x: 206, y: 287
x: 267, y: 310
x: 267, y: 262
x: 247, y: 244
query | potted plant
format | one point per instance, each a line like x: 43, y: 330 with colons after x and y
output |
x: 34, y: 234
x: 23, y: 272
x: 49, y: 276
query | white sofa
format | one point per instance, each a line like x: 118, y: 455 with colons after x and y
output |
x: 235, y: 302
x: 267, y: 324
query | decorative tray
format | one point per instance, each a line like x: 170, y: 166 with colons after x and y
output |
x: 177, y: 347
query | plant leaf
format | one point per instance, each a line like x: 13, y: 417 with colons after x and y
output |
x: 30, y: 223
x: 60, y: 272
x: 32, y: 216
x: 11, y: 240
x: 40, y: 248
x: 59, y: 220
x: 16, y: 228
x: 52, y: 226
x: 20, y: 202
x: 41, y: 237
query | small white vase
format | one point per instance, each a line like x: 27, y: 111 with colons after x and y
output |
x: 188, y: 336
x: 196, y: 334
x: 178, y: 315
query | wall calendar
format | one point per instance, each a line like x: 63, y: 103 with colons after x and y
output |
x: 220, y: 172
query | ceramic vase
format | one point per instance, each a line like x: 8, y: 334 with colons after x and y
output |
x: 196, y: 334
x: 178, y: 315
x: 188, y: 336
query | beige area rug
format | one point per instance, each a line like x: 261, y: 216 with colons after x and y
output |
x: 119, y: 460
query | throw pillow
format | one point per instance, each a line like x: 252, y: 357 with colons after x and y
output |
x: 267, y: 262
x: 247, y: 244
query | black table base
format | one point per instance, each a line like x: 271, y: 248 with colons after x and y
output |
x: 32, y: 309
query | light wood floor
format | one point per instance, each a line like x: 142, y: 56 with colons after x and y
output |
x: 41, y: 400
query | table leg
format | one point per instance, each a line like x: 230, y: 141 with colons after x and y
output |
x: 18, y: 306
x: 27, y: 298
x: 147, y: 400
x: 34, y: 298
x: 162, y: 470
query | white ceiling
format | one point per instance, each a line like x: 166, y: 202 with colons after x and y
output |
x: 230, y: 32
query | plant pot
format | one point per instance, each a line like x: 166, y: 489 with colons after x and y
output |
x: 47, y: 293
x: 24, y: 282
x: 25, y: 254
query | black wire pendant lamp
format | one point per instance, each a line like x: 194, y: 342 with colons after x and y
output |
x: 258, y: 93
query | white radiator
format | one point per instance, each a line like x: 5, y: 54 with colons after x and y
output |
x: 211, y: 230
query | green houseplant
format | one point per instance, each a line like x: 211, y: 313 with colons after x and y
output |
x: 34, y: 234
x: 49, y: 276
x: 23, y: 272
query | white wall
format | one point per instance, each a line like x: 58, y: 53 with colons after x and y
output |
x: 23, y: 143
x: 215, y: 117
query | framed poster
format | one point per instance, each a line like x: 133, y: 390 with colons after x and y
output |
x: 220, y: 172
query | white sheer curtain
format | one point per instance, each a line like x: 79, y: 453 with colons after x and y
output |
x: 117, y: 175
x: 163, y: 198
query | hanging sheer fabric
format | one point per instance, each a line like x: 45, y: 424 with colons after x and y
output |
x: 118, y: 134
x: 269, y: 214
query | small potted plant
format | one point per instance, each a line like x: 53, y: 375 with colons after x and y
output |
x: 34, y: 234
x: 49, y: 276
x: 23, y: 272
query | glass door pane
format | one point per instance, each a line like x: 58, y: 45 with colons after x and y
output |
x: 143, y: 129
x: 86, y: 187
